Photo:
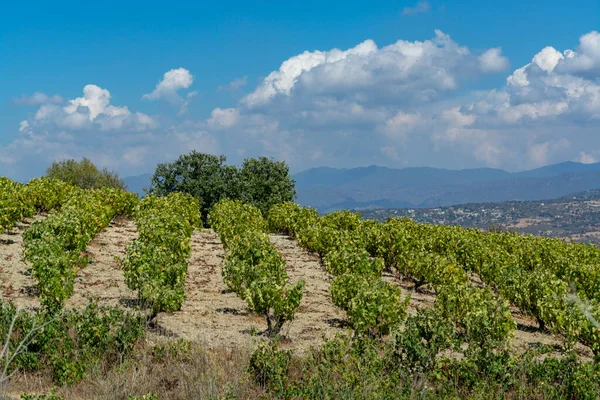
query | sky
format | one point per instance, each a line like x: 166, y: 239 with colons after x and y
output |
x: 511, y: 84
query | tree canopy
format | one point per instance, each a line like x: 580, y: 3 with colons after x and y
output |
x: 261, y: 182
x: 84, y: 174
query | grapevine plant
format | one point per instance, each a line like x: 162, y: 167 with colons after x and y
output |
x: 156, y: 262
x: 54, y: 247
x: 253, y: 268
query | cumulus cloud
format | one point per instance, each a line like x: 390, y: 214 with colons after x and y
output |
x: 83, y: 126
x: 403, y: 71
x: 171, y: 82
x: 493, y: 61
x: 586, y: 158
x: 421, y: 7
x: 401, y: 124
x: 23, y: 126
x: 585, y: 60
x: 169, y: 88
x: 223, y: 118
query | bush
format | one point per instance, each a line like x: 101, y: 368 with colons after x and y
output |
x: 84, y: 174
x: 260, y: 182
x: 70, y: 343
x: 265, y: 183
x: 269, y: 366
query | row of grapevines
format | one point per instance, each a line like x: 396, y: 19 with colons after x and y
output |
x: 373, y: 305
x: 253, y: 268
x: 527, y: 271
x: 535, y: 274
x: 156, y: 262
x: 356, y: 251
x: 19, y: 201
x: 13, y: 204
x: 54, y: 246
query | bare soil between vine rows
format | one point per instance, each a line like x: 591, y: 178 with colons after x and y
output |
x: 211, y: 315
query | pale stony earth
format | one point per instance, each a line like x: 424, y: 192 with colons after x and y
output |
x: 211, y: 314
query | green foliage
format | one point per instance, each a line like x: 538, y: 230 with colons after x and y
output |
x: 261, y: 182
x: 415, y: 364
x: 82, y: 339
x: 54, y: 246
x: 483, y: 320
x: 253, y: 268
x: 426, y: 334
x: 14, y: 204
x: 269, y: 366
x: 349, y: 257
x: 51, y: 396
x: 84, y: 174
x: 71, y: 343
x: 255, y: 271
x: 289, y: 218
x: 231, y: 219
x: 374, y: 306
x: 377, y: 308
x: 48, y: 194
x: 155, y: 263
x: 265, y: 183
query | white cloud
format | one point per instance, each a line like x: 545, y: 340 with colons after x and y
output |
x: 586, y: 158
x: 168, y: 89
x: 403, y: 71
x: 223, y: 118
x: 84, y: 126
x: 548, y: 58
x: 493, y: 61
x: 171, y: 82
x: 391, y: 152
x: 422, y: 6
x: 401, y: 124
x: 23, y: 126
x: 586, y: 60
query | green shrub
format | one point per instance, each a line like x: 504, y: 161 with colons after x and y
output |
x: 269, y: 366
x: 260, y: 182
x: 84, y: 174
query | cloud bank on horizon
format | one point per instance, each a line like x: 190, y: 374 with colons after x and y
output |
x: 407, y: 103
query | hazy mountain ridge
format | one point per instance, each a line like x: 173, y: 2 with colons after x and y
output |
x: 329, y: 189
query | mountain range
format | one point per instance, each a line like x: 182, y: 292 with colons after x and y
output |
x: 329, y: 189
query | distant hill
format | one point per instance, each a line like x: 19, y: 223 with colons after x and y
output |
x: 330, y: 189
x: 136, y: 184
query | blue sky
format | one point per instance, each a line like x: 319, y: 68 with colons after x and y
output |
x: 443, y: 96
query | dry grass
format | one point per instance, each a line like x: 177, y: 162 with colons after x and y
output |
x: 189, y: 372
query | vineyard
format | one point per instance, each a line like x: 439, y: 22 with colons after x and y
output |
x: 397, y: 306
